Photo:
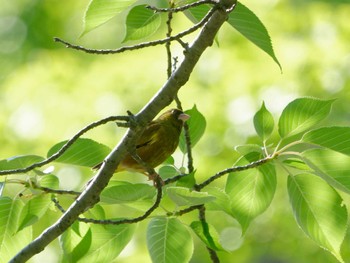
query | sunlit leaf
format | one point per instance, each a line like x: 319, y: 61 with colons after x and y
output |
x: 127, y: 192
x: 196, y: 124
x: 248, y: 148
x: 331, y: 166
x: 141, y: 22
x: 302, y: 114
x: 168, y: 241
x: 76, y: 241
x: 250, y: 191
x: 334, y: 138
x: 108, y: 241
x: 207, y: 233
x: 21, y: 161
x: 84, y: 152
x: 250, y: 26
x: 221, y: 202
x: 184, y: 196
x: 33, y: 210
x: 11, y: 241
x: 319, y: 211
x: 263, y: 123
x: 50, y: 181
x: 100, y: 11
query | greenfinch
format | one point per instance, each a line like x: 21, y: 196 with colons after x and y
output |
x: 157, y: 142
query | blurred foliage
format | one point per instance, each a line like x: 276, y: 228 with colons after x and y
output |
x: 47, y: 93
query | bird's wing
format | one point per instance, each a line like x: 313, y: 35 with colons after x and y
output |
x: 149, y: 135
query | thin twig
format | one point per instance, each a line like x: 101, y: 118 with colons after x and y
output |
x: 56, y: 191
x: 158, y: 185
x: 66, y: 146
x: 168, y: 44
x: 141, y: 45
x: 181, y: 8
x: 232, y: 170
x: 184, y: 211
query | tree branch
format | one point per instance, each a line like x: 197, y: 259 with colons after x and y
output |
x: 164, y: 97
x: 66, y: 146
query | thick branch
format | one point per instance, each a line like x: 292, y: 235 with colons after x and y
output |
x: 163, y: 98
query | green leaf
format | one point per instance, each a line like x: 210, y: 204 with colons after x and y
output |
x: 108, y: 241
x: 127, y: 192
x: 302, y: 114
x: 33, y: 210
x: 207, y: 234
x: 168, y: 171
x: 196, y: 14
x: 141, y: 22
x: 334, y: 138
x: 21, y: 161
x: 84, y: 152
x: 250, y: 191
x: 76, y: 242
x: 196, y: 124
x: 333, y: 167
x: 168, y: 241
x: 183, y: 196
x: 250, y: 26
x: 100, y: 11
x: 11, y: 241
x: 319, y: 211
x: 248, y: 148
x: 263, y: 123
x: 222, y: 201
x: 187, y: 181
x: 50, y: 181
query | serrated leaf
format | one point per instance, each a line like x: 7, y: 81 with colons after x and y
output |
x: 21, y: 161
x: 141, y: 22
x: 84, y: 152
x: 126, y: 193
x: 101, y: 11
x: 250, y: 191
x: 207, y: 233
x: 33, y: 210
x: 334, y: 138
x: 302, y: 114
x: 108, y: 241
x: 331, y: 166
x: 250, y: 26
x: 184, y: 196
x: 196, y: 124
x: 10, y: 241
x: 263, y: 123
x: 168, y: 241
x: 319, y: 211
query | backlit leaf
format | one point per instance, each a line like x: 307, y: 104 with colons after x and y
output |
x: 319, y: 211
x: 169, y: 241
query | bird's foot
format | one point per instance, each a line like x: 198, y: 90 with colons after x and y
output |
x: 157, y: 180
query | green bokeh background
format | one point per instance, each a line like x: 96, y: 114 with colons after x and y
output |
x: 47, y: 93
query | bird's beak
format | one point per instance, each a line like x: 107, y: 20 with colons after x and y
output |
x: 184, y: 117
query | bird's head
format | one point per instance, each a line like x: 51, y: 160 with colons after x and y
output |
x: 176, y: 116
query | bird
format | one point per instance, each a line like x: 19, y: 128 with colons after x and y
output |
x: 158, y: 141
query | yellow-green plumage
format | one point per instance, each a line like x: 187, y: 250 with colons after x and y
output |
x: 157, y: 142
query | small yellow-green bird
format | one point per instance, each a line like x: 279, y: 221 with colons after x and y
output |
x: 157, y: 142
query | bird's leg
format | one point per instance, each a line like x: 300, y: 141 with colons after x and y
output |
x: 149, y: 171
